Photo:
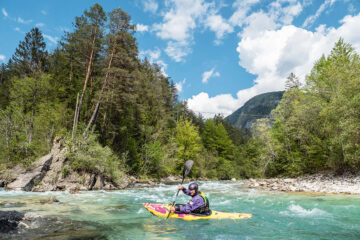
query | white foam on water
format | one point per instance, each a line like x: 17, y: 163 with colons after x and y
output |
x: 141, y: 210
x: 297, y: 210
x: 226, y: 202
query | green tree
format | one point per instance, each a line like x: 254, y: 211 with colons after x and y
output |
x: 188, y: 140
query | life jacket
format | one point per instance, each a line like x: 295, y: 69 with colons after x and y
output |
x: 204, y: 209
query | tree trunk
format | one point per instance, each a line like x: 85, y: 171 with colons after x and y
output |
x: 87, y: 76
x: 97, y: 107
x: 33, y: 112
x: 75, y: 117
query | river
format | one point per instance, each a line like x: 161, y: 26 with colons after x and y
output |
x: 120, y: 215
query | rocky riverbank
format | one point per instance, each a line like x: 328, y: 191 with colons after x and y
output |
x: 53, y: 173
x: 322, y: 183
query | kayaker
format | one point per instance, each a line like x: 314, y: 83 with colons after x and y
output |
x: 199, y: 203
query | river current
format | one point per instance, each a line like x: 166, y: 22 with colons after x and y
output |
x: 120, y: 215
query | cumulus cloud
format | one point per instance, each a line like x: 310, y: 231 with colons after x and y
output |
x: 178, y: 25
x: 2, y: 57
x: 209, y: 74
x: 311, y: 19
x: 272, y: 54
x: 142, y: 28
x: 150, y: 6
x: 179, y: 85
x: 242, y: 7
x: 209, y: 106
x: 4, y: 12
x: 219, y: 25
x: 51, y: 39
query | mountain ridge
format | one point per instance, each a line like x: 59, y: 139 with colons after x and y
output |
x: 255, y: 108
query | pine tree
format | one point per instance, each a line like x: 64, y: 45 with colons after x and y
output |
x: 84, y: 45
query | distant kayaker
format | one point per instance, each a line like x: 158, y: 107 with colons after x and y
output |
x: 199, y: 203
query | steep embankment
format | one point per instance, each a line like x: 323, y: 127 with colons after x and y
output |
x: 257, y: 107
x: 52, y: 172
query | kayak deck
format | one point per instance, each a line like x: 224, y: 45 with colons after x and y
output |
x: 162, y: 210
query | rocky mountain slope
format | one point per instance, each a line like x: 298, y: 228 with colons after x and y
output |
x: 257, y: 107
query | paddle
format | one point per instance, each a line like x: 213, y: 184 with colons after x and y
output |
x: 187, y: 168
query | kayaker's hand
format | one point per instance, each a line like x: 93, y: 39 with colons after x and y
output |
x: 181, y: 187
x: 172, y: 209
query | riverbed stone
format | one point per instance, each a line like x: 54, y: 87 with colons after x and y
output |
x: 9, y: 220
x: 326, y: 183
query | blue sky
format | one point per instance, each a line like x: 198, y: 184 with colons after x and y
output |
x: 219, y: 53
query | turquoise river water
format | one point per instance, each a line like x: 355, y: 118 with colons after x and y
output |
x: 120, y: 215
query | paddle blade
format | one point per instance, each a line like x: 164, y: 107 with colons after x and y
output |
x: 187, y: 167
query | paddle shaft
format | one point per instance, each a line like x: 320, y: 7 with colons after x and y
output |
x: 187, y: 167
x: 173, y: 204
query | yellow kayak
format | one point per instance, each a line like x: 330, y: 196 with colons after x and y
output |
x: 162, y: 210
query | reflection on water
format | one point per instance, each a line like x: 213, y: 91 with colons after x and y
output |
x: 120, y: 215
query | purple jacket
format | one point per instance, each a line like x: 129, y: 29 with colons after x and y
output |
x: 196, y: 202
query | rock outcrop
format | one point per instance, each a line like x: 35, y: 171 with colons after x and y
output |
x: 52, y: 173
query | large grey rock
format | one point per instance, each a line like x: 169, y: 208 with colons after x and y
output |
x: 27, y: 180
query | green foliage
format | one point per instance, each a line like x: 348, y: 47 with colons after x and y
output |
x: 65, y: 172
x: 188, y: 140
x: 87, y: 155
x: 136, y: 124
x: 315, y: 128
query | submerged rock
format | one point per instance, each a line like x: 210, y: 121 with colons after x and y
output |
x: 17, y: 225
x: 9, y: 220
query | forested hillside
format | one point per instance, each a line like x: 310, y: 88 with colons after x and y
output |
x: 119, y: 113
x: 316, y: 127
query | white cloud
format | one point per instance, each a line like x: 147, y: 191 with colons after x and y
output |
x: 177, y: 50
x: 311, y: 19
x: 18, y: 30
x: 142, y: 28
x: 43, y: 12
x: 272, y: 54
x: 242, y: 8
x: 51, y: 39
x: 39, y: 25
x: 178, y: 25
x: 209, y: 106
x: 2, y: 58
x: 179, y: 85
x: 152, y: 54
x: 150, y: 6
x: 4, y: 12
x: 217, y: 24
x: 209, y: 74
x: 20, y: 20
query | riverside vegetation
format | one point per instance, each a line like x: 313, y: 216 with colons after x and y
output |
x: 119, y: 114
